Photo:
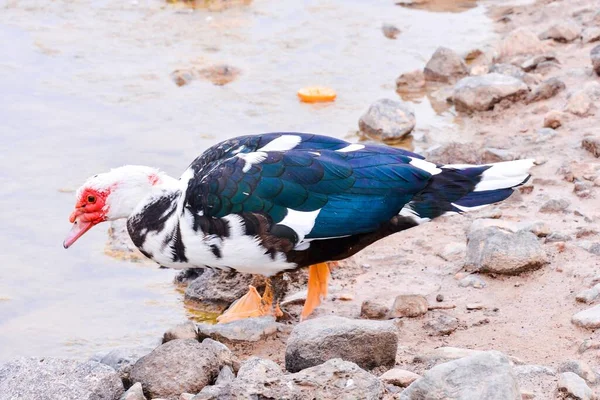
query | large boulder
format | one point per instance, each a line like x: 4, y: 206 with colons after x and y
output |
x: 178, y: 366
x: 481, y: 93
x: 483, y: 376
x: 496, y: 251
x: 53, y: 378
x: 445, y: 66
x: 387, y: 120
x: 367, y: 343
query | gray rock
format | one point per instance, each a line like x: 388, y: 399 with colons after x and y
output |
x: 409, y: 305
x: 441, y: 324
x: 262, y: 379
x: 594, y: 249
x: 373, y: 310
x: 563, y: 31
x: 336, y: 379
x: 179, y: 366
x: 494, y: 155
x: 226, y: 375
x: 545, y: 90
x: 538, y: 228
x: 53, y: 378
x: 399, y: 377
x: 188, y: 275
x: 225, y: 356
x: 453, y: 251
x: 387, y: 120
x: 555, y: 206
x: 472, y: 281
x: 123, y: 359
x: 484, y: 376
x: 257, y: 376
x: 134, y: 393
x: 537, y: 62
x: 367, y: 343
x: 579, y: 103
x: 493, y: 250
x: 508, y: 69
x: 214, y: 291
x: 583, y: 189
x: 571, y: 386
x: 520, y: 42
x: 558, y: 237
x: 390, y: 31
x: 481, y: 93
x: 533, y: 370
x: 482, y: 223
x: 592, y: 145
x: 243, y: 330
x: 595, y: 57
x: 444, y: 354
x: 544, y: 134
x: 454, y: 152
x: 445, y: 66
x: 590, y: 34
x: 589, y: 318
x: 185, y: 330
x: 580, y: 368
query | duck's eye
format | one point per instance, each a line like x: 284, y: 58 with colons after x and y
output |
x: 91, y: 199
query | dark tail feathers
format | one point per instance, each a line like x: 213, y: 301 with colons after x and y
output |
x: 461, y: 188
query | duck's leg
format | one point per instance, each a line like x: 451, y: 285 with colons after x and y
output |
x: 250, y: 305
x: 318, y: 276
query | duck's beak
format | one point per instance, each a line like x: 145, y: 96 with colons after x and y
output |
x: 77, y: 230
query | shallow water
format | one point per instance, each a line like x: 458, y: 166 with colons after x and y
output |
x: 86, y: 87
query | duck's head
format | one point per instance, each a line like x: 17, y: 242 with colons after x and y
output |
x: 110, y: 196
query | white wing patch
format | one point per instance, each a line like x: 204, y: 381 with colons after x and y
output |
x: 302, y: 222
x: 425, y: 166
x: 352, y: 147
x: 504, y: 175
x: 467, y: 209
x: 282, y: 143
x: 407, y: 211
x: 252, y: 158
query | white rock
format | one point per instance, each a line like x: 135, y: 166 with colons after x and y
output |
x: 589, y: 318
x: 570, y: 384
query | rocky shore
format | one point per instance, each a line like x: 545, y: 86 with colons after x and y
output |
x: 502, y: 303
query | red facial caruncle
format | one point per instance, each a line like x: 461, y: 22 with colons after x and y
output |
x: 90, y: 210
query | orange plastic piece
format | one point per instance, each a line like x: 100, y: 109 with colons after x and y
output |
x: 316, y: 94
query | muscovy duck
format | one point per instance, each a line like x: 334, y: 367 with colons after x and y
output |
x: 275, y: 202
